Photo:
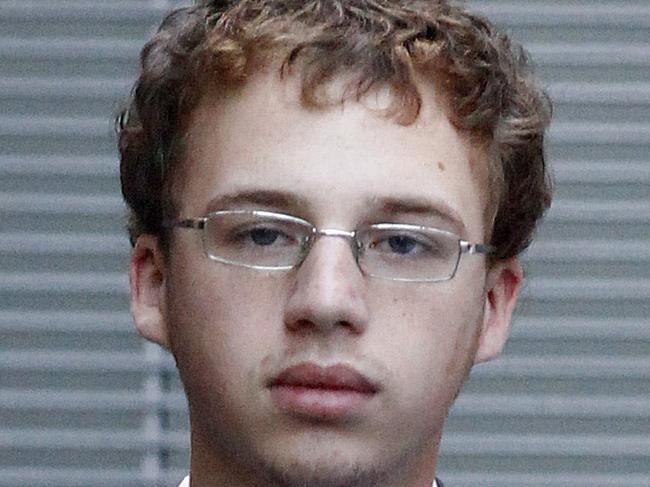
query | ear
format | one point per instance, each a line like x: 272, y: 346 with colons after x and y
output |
x: 502, y: 290
x: 147, y: 281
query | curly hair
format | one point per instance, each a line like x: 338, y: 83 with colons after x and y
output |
x: 485, y: 79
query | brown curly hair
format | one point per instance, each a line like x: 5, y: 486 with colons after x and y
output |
x: 484, y: 78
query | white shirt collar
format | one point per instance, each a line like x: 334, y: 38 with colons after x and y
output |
x: 186, y: 482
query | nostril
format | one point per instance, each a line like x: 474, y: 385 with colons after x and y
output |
x: 302, y: 326
x: 308, y: 327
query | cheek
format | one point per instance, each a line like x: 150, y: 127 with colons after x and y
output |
x: 219, y: 332
x: 430, y: 337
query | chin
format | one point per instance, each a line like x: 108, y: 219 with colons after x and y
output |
x: 320, y: 462
x: 328, y: 473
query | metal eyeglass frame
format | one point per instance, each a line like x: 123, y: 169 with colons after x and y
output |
x: 199, y: 223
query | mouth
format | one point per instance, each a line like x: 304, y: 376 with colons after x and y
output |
x: 328, y: 393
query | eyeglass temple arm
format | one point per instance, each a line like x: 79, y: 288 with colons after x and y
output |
x: 470, y: 248
x: 198, y: 223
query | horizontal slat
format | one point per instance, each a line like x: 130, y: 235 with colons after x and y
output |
x: 95, y: 477
x: 538, y: 444
x: 567, y: 327
x: 69, y: 49
x: 595, y: 172
x: 46, y: 126
x: 23, y: 164
x: 509, y: 479
x: 70, y: 360
x: 65, y: 282
x: 64, y: 87
x: 588, y: 250
x: 82, y: 11
x: 595, y: 93
x: 99, y: 477
x: 590, y: 54
x: 548, y: 405
x: 600, y: 211
x: 66, y: 321
x: 600, y: 133
x: 54, y: 203
x: 588, y: 288
x: 554, y: 14
x: 50, y: 400
x: 89, y: 439
x: 64, y: 244
x: 562, y: 366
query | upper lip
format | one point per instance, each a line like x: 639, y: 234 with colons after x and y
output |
x: 336, y: 377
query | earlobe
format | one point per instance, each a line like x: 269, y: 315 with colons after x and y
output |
x: 502, y: 290
x: 147, y: 279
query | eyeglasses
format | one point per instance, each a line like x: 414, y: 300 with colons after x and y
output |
x: 274, y: 241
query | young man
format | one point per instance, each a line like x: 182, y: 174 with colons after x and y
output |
x: 328, y: 199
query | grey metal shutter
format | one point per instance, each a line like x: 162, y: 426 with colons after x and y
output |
x: 84, y: 402
x: 569, y: 402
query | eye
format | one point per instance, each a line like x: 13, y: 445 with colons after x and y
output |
x: 415, y: 244
x: 263, y: 236
x: 402, y: 244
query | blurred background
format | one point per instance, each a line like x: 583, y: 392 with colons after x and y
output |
x: 85, y: 402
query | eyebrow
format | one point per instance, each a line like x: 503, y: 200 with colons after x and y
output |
x: 419, y: 206
x: 267, y: 198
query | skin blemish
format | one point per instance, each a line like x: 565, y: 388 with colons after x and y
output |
x: 441, y: 166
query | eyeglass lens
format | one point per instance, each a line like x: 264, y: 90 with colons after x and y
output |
x: 392, y: 251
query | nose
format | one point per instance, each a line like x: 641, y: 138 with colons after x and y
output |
x: 329, y: 290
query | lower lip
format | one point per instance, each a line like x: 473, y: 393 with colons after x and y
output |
x: 327, y: 404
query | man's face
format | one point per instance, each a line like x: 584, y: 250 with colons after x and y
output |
x: 234, y: 330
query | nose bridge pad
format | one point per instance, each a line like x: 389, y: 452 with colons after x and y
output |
x: 305, y: 246
x: 355, y: 245
x: 350, y: 236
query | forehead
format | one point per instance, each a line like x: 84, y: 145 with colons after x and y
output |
x: 334, y: 160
